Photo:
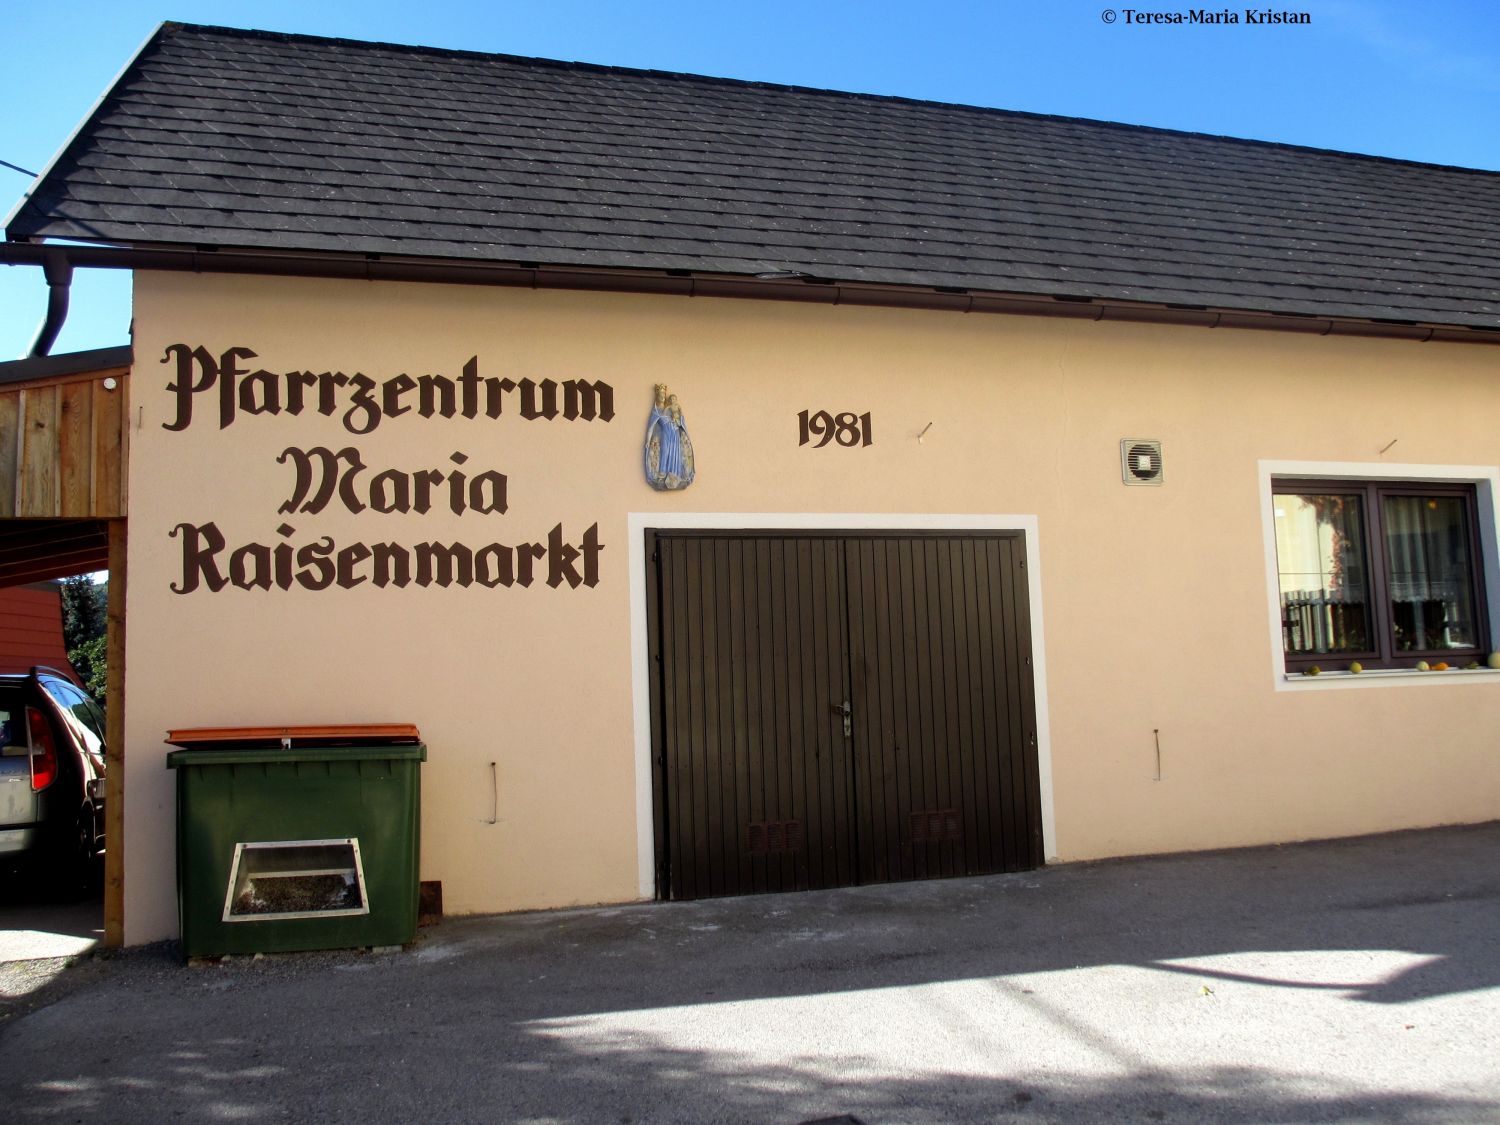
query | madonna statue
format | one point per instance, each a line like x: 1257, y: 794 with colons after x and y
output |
x: 669, y: 450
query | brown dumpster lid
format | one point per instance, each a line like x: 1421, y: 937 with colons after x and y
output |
x: 341, y: 734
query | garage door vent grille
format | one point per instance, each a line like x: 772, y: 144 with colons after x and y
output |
x: 933, y: 826
x: 768, y: 836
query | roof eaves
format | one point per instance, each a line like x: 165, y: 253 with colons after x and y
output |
x: 607, y: 277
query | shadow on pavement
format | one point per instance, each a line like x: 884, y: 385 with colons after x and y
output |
x: 43, y: 917
x: 1304, y: 983
x: 653, y: 1084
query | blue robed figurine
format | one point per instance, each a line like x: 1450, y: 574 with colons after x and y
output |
x: 669, y: 450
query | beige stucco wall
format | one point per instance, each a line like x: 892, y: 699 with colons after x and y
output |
x: 1154, y: 601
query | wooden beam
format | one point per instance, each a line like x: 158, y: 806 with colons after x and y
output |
x: 114, y: 743
x: 111, y: 420
x: 122, y: 461
x: 92, y: 375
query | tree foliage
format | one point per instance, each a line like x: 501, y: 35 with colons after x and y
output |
x: 83, y: 610
x: 88, y: 660
x: 85, y: 623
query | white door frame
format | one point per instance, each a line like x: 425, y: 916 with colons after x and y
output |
x: 640, y: 571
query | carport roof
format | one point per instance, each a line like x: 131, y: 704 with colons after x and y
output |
x: 226, y: 139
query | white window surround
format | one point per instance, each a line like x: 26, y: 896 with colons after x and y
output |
x: 1486, y: 481
x: 638, y: 522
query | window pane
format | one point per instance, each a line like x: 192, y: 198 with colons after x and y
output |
x: 1320, y: 556
x: 1431, y: 583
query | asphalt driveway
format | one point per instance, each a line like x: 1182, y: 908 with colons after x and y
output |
x: 38, y: 923
x: 1357, y: 980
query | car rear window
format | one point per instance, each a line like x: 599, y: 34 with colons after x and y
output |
x: 12, y: 720
x: 76, y: 712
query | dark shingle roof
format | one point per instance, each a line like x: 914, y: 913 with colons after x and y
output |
x: 227, y: 138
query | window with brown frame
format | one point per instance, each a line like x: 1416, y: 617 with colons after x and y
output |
x: 1381, y: 572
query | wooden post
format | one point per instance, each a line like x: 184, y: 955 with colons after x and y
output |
x: 114, y: 706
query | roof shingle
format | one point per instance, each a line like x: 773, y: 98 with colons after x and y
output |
x: 237, y: 139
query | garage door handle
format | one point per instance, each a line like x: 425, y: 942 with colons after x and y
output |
x: 845, y: 710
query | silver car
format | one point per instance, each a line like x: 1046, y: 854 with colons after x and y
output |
x: 51, y: 774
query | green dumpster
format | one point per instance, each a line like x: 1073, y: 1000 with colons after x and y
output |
x: 293, y: 838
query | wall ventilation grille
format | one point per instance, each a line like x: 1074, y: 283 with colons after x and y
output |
x: 1140, y: 461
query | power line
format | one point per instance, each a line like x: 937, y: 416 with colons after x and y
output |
x: 18, y: 168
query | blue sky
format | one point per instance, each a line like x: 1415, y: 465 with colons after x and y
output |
x: 1414, y: 80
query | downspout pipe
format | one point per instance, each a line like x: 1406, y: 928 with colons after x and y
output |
x: 59, y: 274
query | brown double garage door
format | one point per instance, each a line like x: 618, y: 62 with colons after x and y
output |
x: 834, y: 709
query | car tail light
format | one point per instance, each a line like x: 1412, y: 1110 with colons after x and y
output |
x: 43, y: 750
